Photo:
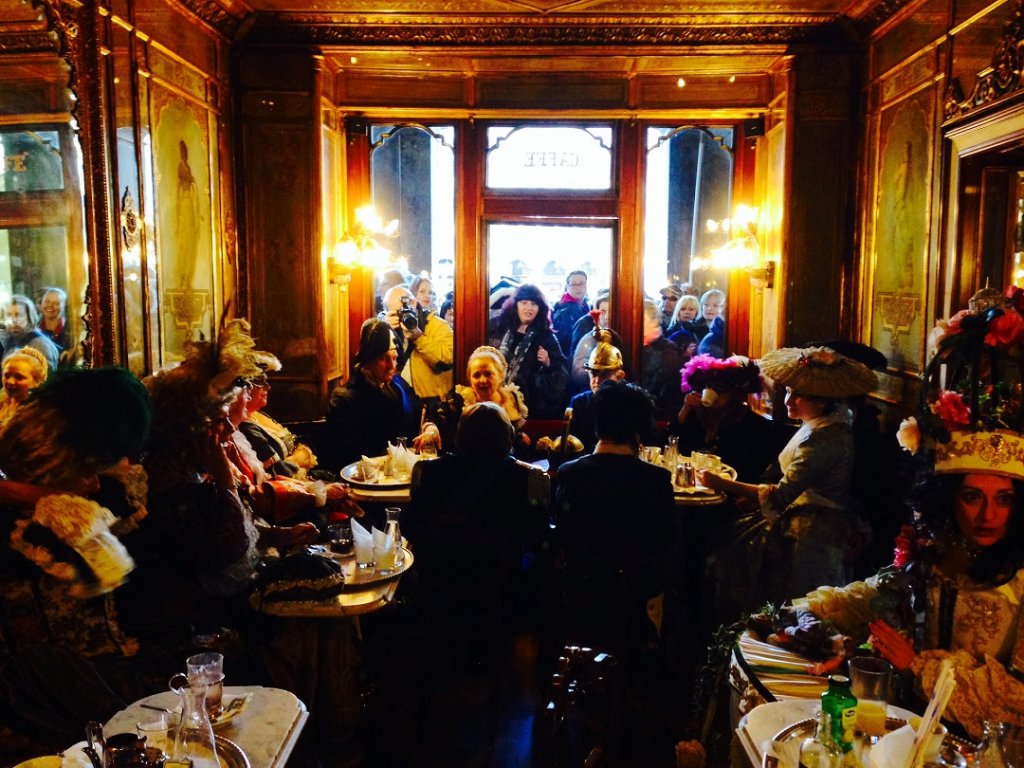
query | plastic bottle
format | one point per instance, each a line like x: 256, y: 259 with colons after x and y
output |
x: 841, y: 704
x: 820, y: 750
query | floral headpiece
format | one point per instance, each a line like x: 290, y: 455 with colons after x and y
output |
x: 734, y: 372
x: 971, y: 410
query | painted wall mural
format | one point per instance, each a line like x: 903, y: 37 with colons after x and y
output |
x: 902, y: 230
x: 184, y: 191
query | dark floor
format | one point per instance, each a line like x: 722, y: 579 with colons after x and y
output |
x: 434, y: 712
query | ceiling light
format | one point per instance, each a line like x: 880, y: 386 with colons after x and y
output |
x: 681, y: 82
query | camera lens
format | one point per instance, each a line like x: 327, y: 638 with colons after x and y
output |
x: 408, y: 319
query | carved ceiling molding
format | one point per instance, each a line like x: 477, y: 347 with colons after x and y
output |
x: 215, y: 15
x: 1001, y: 78
x: 28, y: 42
x: 882, y: 12
x: 588, y: 32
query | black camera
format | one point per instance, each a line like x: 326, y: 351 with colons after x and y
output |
x: 408, y: 315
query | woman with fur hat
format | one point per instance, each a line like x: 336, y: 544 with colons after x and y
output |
x: 67, y: 658
x: 536, y: 363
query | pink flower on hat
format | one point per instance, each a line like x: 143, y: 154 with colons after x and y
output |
x: 951, y: 408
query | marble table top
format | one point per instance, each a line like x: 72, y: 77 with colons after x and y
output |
x: 266, y: 730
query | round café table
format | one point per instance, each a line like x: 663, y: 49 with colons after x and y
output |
x: 314, y: 648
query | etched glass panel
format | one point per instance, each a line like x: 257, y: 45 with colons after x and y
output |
x: 549, y: 157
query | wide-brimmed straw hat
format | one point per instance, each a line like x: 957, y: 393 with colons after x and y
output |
x: 819, y: 372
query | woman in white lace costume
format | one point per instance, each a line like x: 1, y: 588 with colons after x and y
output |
x: 972, y: 585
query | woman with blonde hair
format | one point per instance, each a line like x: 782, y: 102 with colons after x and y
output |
x: 486, y: 370
x: 23, y: 371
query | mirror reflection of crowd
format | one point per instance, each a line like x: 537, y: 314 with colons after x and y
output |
x: 20, y: 330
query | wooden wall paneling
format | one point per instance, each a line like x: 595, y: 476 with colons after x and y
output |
x: 627, y: 300
x: 357, y: 174
x: 471, y: 279
x: 773, y: 183
x: 824, y: 151
x: 280, y: 156
x: 336, y: 294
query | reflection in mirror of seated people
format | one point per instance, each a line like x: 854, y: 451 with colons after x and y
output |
x: 20, y: 319
x: 23, y: 371
x: 53, y: 316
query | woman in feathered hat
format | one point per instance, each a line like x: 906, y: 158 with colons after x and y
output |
x: 203, y: 537
x: 715, y: 417
x: 536, y: 363
x: 276, y: 447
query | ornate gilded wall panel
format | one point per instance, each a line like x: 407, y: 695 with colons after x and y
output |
x: 901, y: 201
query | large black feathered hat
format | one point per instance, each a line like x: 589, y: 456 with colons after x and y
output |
x: 107, y: 410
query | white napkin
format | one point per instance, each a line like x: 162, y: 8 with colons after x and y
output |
x: 400, y: 460
x: 362, y: 539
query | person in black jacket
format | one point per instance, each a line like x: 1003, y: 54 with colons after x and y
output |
x: 374, y: 406
x: 523, y: 335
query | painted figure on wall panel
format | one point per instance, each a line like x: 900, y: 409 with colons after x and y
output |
x: 184, y: 219
x: 901, y: 232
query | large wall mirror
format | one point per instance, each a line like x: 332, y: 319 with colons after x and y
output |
x: 43, y: 249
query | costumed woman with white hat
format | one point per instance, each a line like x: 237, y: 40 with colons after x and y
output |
x: 806, y: 532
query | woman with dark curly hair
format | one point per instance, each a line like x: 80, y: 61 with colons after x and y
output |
x: 523, y: 335
x: 963, y: 562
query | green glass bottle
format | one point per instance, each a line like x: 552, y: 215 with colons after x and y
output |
x: 841, y: 704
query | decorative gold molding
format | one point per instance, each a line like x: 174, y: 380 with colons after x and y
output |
x: 28, y: 41
x: 214, y: 14
x: 1001, y: 78
x: 882, y: 12
x: 530, y: 31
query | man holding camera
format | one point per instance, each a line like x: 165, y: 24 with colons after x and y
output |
x: 425, y: 344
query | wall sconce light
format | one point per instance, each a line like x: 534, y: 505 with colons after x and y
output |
x: 360, y: 247
x: 741, y: 251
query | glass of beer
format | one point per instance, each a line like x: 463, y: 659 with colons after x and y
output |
x: 871, y: 681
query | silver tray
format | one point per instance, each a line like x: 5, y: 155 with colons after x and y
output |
x: 351, y: 475
x: 954, y: 749
x: 231, y: 755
